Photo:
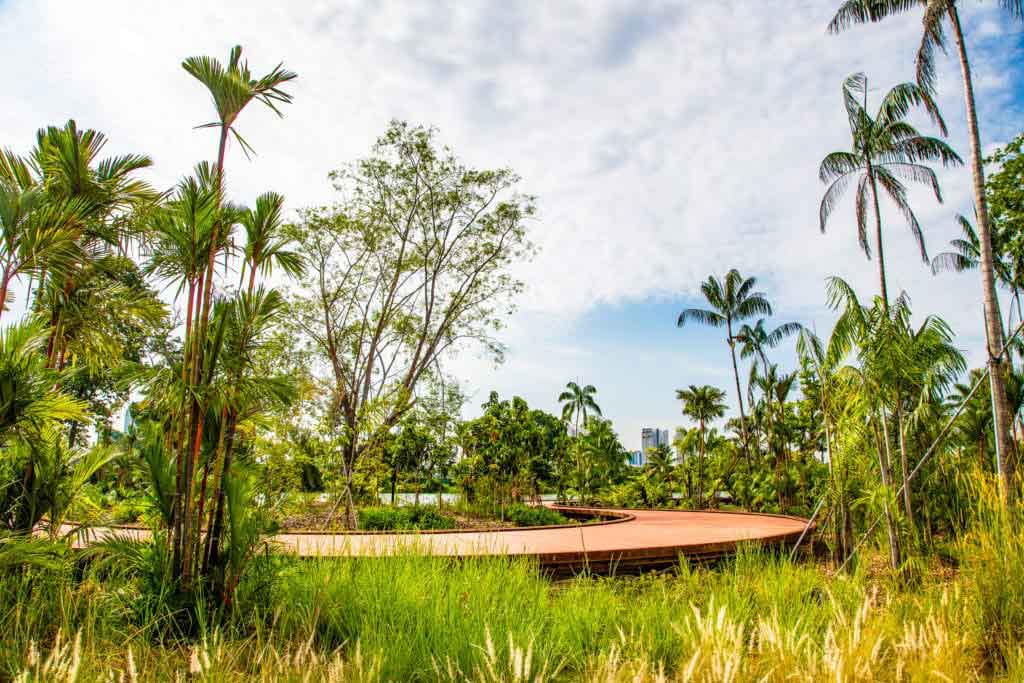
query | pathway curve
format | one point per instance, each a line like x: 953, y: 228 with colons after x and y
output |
x: 639, y: 539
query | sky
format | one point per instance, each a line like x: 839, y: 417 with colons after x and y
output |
x: 664, y: 142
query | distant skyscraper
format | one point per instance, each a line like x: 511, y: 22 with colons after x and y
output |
x: 636, y: 459
x: 650, y: 437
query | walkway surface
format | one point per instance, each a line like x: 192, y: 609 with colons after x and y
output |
x: 640, y: 539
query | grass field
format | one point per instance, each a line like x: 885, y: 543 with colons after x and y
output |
x: 756, y: 618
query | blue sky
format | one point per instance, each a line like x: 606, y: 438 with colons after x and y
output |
x: 664, y: 141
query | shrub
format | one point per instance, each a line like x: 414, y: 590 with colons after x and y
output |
x: 409, y: 517
x: 534, y: 515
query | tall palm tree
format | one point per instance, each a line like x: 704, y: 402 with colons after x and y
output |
x: 703, y: 404
x: 232, y: 89
x: 886, y: 151
x: 578, y: 401
x: 265, y: 244
x: 757, y: 339
x: 730, y: 301
x: 936, y: 14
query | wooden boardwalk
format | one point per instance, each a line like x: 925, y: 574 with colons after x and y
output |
x: 636, y: 540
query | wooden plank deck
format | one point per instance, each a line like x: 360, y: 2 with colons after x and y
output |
x: 638, y: 540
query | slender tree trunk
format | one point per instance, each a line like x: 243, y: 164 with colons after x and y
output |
x: 904, y: 466
x: 252, y: 272
x: 700, y: 469
x: 3, y: 291
x: 878, y: 240
x: 993, y: 319
x: 739, y: 396
x: 394, y: 484
x: 884, y: 466
x: 217, y: 523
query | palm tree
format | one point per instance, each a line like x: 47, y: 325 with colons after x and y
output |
x: 36, y: 236
x: 231, y: 88
x: 29, y: 401
x: 265, y: 244
x: 885, y: 150
x: 936, y: 13
x: 703, y: 404
x: 757, y: 339
x: 730, y: 301
x: 577, y: 401
x: 965, y: 254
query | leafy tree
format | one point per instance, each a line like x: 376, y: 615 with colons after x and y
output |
x: 411, y: 267
x: 502, y: 448
x: 901, y: 368
x: 601, y: 458
x: 886, y: 150
x: 39, y: 476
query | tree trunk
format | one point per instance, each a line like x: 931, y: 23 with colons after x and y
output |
x: 904, y: 466
x: 878, y: 240
x: 739, y: 396
x: 700, y: 469
x: 217, y: 523
x: 3, y: 292
x: 883, y: 465
x: 993, y: 319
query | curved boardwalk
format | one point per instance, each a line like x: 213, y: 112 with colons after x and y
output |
x: 642, y: 539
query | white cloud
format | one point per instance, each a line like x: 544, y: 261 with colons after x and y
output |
x: 664, y: 143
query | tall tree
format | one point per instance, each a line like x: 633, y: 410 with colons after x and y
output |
x: 886, y: 150
x: 730, y: 301
x: 576, y: 402
x: 703, y: 404
x: 936, y: 15
x: 232, y: 88
x: 413, y: 266
x: 266, y: 244
x: 756, y: 339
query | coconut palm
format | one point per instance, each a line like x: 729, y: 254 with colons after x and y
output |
x: 577, y: 402
x: 703, y: 404
x: 886, y: 151
x: 730, y: 302
x: 936, y: 15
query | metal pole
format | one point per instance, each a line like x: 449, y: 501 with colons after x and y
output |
x: 821, y: 502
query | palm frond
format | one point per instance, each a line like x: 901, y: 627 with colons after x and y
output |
x: 702, y: 316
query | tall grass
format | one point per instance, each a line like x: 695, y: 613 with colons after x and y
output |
x: 758, y: 617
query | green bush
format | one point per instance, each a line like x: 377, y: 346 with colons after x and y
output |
x: 534, y: 515
x: 409, y: 517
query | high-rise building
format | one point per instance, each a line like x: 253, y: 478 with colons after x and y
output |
x: 651, y: 437
x: 636, y: 459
